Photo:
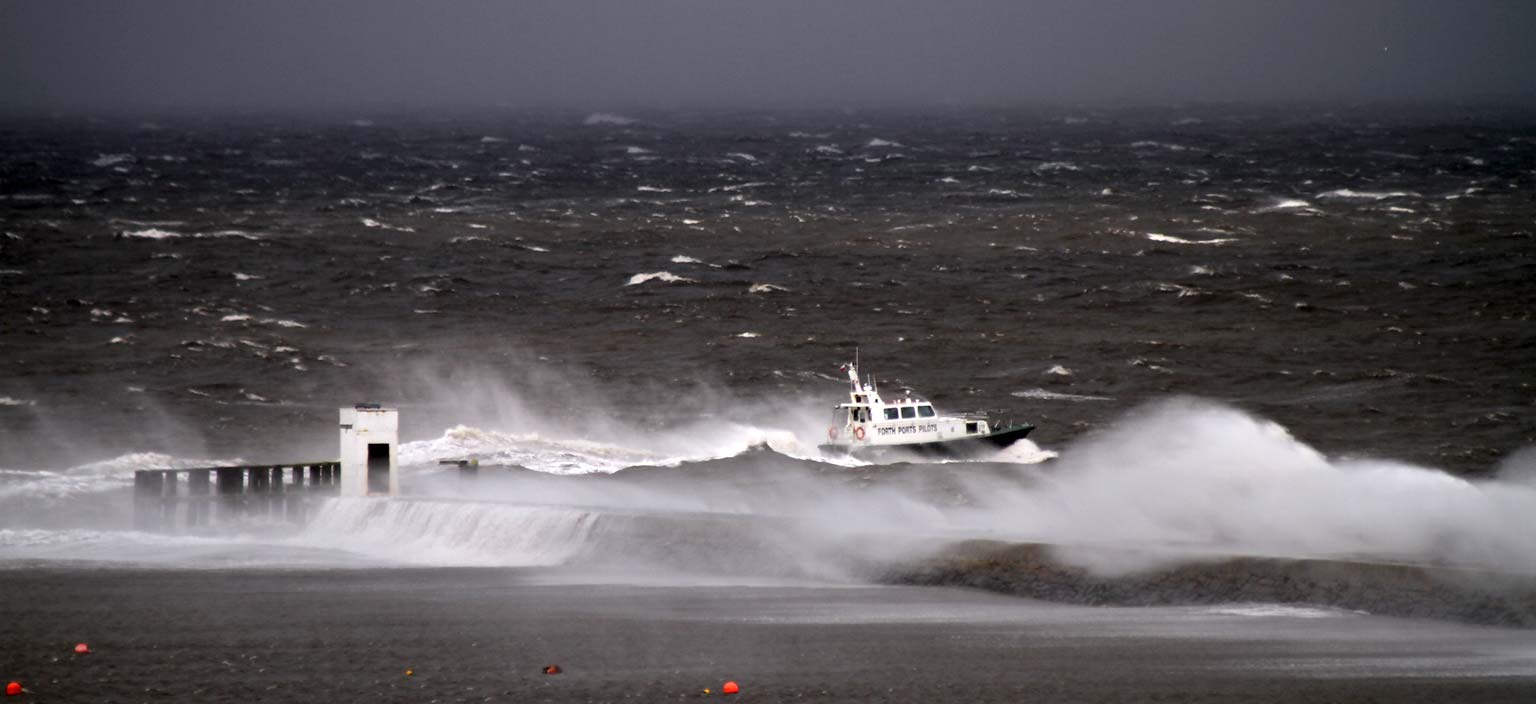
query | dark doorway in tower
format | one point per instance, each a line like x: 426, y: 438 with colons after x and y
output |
x: 378, y: 468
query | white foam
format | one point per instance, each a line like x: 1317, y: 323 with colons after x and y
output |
x: 1043, y: 395
x: 1057, y: 166
x: 742, y: 156
x: 1275, y: 611
x: 685, y: 259
x: 425, y: 532
x: 530, y: 450
x: 1156, y: 237
x: 370, y: 222
x: 152, y: 233
x: 766, y: 288
x: 1148, y: 144
x: 111, y: 159
x: 247, y: 277
x: 607, y: 119
x: 878, y: 142
x: 8, y: 401
x: 1059, y: 370
x: 653, y: 189
x: 662, y: 276
x: 1351, y: 194
x: 636, y: 151
x: 748, y: 334
x: 246, y: 317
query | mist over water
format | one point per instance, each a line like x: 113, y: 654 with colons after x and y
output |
x: 1173, y: 481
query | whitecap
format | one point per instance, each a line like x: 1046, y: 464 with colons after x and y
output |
x: 653, y: 189
x: 1149, y: 144
x: 491, y: 140
x: 111, y: 159
x: 1351, y: 194
x: 878, y: 142
x: 8, y: 401
x: 685, y: 259
x: 1057, y: 166
x: 607, y: 118
x: 370, y: 222
x: 662, y: 276
x: 636, y: 151
x: 235, y: 318
x: 766, y: 288
x: 742, y: 156
x: 1156, y: 237
x: 1059, y: 370
x: 748, y: 334
x: 1043, y: 395
x: 247, y: 277
x: 1295, y: 204
x: 152, y: 233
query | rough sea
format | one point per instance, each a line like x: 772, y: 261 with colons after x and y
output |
x: 1284, y: 332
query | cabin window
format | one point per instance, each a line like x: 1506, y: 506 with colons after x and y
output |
x: 859, y: 398
x: 925, y: 411
x: 891, y: 414
x: 970, y: 429
x: 859, y: 414
x: 908, y: 412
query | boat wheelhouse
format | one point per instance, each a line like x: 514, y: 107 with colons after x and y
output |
x: 868, y: 424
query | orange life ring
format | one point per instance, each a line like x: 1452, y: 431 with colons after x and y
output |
x: 831, y: 432
x: 858, y: 433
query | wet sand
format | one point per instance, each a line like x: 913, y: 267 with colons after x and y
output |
x: 484, y: 635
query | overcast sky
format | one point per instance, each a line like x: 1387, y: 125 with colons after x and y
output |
x: 201, y: 55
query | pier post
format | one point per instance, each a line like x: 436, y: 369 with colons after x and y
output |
x: 169, y: 499
x: 230, y: 485
x: 155, y: 494
x: 140, y: 499
x: 275, y: 492
x: 197, y: 497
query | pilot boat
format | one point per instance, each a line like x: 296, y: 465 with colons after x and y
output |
x: 868, y: 425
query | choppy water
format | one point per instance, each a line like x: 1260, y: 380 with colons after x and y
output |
x: 668, y: 297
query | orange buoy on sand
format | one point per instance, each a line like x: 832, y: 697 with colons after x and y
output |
x: 13, y: 689
x: 730, y: 688
x: 82, y: 649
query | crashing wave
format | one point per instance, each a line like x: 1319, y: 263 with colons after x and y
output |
x: 665, y: 277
